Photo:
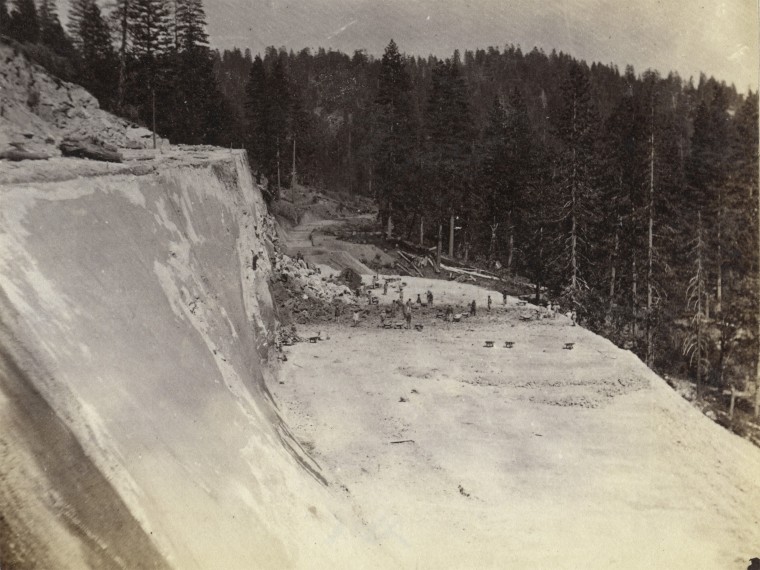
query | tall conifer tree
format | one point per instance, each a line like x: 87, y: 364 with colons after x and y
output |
x: 393, y: 132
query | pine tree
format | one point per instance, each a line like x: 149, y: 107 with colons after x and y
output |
x: 98, y: 58
x: 739, y: 330
x: 620, y: 181
x: 507, y: 173
x: 120, y: 23
x: 696, y: 343
x: 448, y: 145
x: 150, y: 32
x: 493, y: 174
x: 5, y: 17
x: 51, y: 31
x: 576, y: 125
x: 24, y: 24
x: 393, y: 132
x: 195, y: 88
x: 190, y: 27
x: 77, y: 9
x: 151, y: 76
x: 257, y: 116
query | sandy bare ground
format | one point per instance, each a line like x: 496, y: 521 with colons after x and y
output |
x: 460, y: 456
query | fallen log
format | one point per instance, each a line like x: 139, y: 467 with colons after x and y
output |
x: 17, y: 155
x: 411, y: 263
x: 473, y: 273
x: 90, y: 148
x: 403, y: 268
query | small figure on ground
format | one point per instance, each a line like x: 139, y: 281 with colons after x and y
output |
x: 504, y: 295
x: 430, y: 298
x: 311, y: 238
x: 449, y: 313
x: 385, y: 288
x: 408, y: 314
x: 489, y: 303
x: 401, y: 294
x: 473, y: 308
x: 419, y: 300
x: 356, y: 318
x: 299, y: 256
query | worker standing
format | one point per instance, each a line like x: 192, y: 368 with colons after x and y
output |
x: 473, y: 308
x: 489, y: 303
x: 408, y: 314
x: 385, y: 288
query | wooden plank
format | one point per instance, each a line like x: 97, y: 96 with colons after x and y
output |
x: 467, y: 272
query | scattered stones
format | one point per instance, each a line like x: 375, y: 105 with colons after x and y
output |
x: 38, y: 113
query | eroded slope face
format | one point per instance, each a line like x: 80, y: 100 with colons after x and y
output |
x: 133, y: 306
x: 39, y: 110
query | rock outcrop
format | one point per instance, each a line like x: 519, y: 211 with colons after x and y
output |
x: 38, y: 111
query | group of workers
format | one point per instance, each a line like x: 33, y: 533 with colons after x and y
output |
x: 405, y: 306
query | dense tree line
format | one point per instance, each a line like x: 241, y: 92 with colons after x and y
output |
x: 147, y: 60
x: 632, y: 199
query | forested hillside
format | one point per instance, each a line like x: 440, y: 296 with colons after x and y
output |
x: 146, y: 60
x: 631, y: 197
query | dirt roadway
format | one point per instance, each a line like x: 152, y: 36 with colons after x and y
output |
x: 530, y: 457
x: 331, y: 254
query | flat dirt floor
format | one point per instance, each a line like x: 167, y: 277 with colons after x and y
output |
x: 456, y: 455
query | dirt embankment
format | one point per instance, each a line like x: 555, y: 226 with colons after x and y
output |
x: 136, y: 298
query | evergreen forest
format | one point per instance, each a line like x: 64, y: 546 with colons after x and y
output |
x: 629, y: 197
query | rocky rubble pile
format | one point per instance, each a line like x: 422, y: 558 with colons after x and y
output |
x: 303, y: 295
x: 38, y: 112
x: 305, y: 280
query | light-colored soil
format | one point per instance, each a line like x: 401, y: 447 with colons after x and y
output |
x: 130, y: 307
x: 456, y: 455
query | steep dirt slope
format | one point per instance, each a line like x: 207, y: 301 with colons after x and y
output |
x: 134, y: 320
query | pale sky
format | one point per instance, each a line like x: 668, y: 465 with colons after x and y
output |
x: 719, y: 37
